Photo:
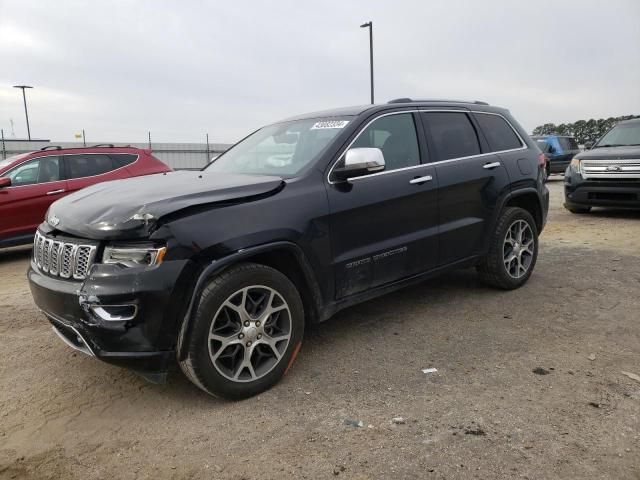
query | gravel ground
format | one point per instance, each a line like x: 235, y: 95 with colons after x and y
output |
x: 484, y: 414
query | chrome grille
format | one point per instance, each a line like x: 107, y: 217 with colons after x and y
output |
x: 83, y: 258
x: 627, y: 168
x: 63, y: 258
x: 66, y: 260
x: 45, y: 255
x: 54, y: 257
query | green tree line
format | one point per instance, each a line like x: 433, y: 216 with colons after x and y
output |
x: 582, y: 130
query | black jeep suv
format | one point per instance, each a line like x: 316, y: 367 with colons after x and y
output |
x: 220, y: 269
x: 608, y: 175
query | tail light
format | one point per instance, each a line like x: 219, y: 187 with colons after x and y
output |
x: 542, y: 160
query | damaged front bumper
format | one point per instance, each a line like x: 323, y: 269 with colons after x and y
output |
x: 123, y: 316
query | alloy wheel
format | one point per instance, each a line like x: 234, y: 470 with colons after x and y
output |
x: 518, y: 249
x: 249, y: 333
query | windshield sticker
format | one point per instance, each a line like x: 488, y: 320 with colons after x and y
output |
x: 330, y: 124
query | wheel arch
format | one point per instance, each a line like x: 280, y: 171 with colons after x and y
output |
x: 286, y: 257
x: 528, y: 200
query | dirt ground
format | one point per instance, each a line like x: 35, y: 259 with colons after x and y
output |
x: 484, y: 414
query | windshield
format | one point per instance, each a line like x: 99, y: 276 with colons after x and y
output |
x: 621, y: 135
x: 282, y: 149
x: 9, y: 160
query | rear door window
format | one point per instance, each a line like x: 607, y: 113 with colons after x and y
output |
x: 568, y: 143
x: 79, y: 166
x: 452, y: 134
x: 498, y: 132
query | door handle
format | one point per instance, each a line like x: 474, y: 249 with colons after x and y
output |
x: 491, y: 166
x: 426, y: 178
x: 55, y: 192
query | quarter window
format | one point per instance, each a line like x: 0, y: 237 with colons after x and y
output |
x: 79, y: 166
x: 452, y: 134
x: 396, y: 136
x: 498, y: 132
x: 40, y: 170
x: 122, y: 160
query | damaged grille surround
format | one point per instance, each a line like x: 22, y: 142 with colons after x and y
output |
x: 63, y: 258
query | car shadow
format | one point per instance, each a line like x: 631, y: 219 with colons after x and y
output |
x: 615, y: 213
x: 555, y: 177
x: 15, y: 253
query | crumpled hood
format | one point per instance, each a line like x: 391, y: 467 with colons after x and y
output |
x: 610, y: 153
x: 131, y: 208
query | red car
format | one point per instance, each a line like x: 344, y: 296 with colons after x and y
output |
x: 30, y: 182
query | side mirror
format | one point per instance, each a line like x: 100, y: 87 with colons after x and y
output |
x: 588, y: 144
x: 5, y: 182
x: 360, y: 161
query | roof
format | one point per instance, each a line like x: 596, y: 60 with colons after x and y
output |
x: 109, y: 148
x: 401, y: 102
x: 334, y: 112
x: 542, y: 137
x: 631, y: 120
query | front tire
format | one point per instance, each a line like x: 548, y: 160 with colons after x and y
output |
x: 513, y: 250
x: 248, y: 330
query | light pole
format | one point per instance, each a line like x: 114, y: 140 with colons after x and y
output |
x: 369, y: 25
x: 26, y: 113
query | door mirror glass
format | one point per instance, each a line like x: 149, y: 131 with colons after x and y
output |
x: 358, y: 162
x: 5, y: 182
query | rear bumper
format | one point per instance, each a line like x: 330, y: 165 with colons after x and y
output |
x: 144, y: 343
x: 558, y: 166
x: 584, y: 193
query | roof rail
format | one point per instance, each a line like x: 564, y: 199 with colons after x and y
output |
x: 411, y: 100
x: 400, y: 100
x: 100, y: 145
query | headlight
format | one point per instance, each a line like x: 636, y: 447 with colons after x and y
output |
x: 134, y: 256
x: 575, y: 165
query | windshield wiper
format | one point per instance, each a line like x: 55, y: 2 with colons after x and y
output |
x: 610, y: 145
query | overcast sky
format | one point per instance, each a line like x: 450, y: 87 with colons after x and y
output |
x: 183, y: 69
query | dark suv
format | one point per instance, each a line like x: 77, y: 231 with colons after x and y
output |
x: 560, y: 150
x: 222, y: 268
x: 608, y: 175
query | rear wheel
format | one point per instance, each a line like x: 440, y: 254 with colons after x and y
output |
x: 513, y: 250
x: 248, y: 329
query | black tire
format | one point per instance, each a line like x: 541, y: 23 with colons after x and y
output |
x: 548, y: 170
x: 578, y: 210
x: 492, y: 268
x: 199, y: 366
